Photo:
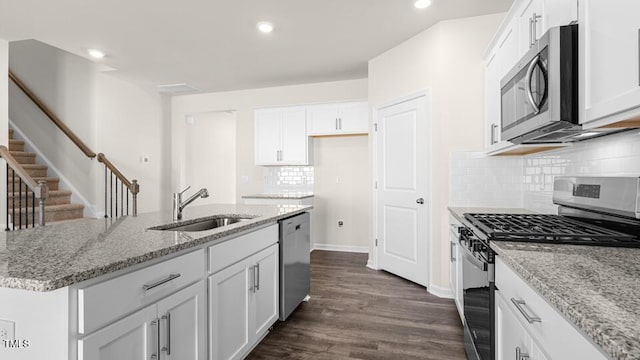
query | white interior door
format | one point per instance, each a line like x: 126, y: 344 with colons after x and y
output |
x: 210, y: 156
x: 402, y: 198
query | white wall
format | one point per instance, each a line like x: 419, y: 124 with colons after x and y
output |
x: 4, y: 123
x: 448, y: 59
x: 210, y: 156
x: 346, y: 157
x: 243, y: 102
x: 118, y: 118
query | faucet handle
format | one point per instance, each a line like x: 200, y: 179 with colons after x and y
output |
x: 183, y: 191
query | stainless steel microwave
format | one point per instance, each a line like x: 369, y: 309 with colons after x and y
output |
x: 539, y: 95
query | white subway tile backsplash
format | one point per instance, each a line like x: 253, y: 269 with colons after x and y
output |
x: 288, y: 178
x: 528, y: 181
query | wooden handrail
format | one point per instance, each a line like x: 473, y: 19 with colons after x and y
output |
x: 17, y: 168
x: 131, y: 185
x: 61, y: 125
x: 40, y: 188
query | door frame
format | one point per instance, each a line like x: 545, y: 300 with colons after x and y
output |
x: 427, y: 95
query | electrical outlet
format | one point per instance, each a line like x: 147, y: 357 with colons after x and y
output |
x: 7, y: 330
x: 338, y: 179
x: 145, y: 159
x: 340, y: 223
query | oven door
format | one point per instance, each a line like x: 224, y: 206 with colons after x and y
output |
x: 478, y: 292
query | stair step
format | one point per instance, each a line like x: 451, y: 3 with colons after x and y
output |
x: 16, y: 145
x: 56, y: 197
x: 34, y: 170
x: 52, y: 182
x: 24, y: 157
x: 52, y: 213
x: 10, y: 133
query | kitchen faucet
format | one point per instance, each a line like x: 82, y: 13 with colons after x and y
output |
x: 179, y: 205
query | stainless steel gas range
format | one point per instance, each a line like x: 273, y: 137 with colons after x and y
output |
x: 593, y: 211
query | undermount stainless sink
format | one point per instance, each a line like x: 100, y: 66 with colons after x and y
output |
x: 205, y: 224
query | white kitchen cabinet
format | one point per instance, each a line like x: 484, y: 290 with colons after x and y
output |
x: 173, y: 328
x: 525, y: 319
x: 338, y: 119
x: 243, y: 304
x: 455, y: 266
x: 529, y: 21
x: 511, y: 338
x: 183, y: 324
x: 558, y: 13
x: 281, y: 136
x: 609, y: 61
x: 499, y: 61
x: 134, y: 337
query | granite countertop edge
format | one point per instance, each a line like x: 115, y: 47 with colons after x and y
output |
x: 579, y: 319
x: 37, y: 285
x: 291, y: 196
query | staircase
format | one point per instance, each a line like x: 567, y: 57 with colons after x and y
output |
x: 58, y: 204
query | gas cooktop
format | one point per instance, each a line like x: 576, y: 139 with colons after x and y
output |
x: 548, y: 229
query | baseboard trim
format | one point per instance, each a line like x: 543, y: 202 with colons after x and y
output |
x: 441, y: 292
x: 76, y: 196
x: 371, y: 265
x: 341, y: 248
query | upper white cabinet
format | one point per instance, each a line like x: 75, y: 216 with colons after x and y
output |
x: 498, y: 63
x: 281, y: 136
x: 609, y: 61
x: 525, y: 23
x: 338, y: 119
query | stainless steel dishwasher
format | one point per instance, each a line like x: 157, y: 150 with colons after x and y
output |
x: 295, y: 274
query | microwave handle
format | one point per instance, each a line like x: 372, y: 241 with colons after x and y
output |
x: 532, y: 66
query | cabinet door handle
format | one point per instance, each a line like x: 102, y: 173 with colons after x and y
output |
x: 336, y: 123
x: 156, y: 325
x: 148, y: 287
x: 535, y: 27
x: 167, y: 347
x: 493, y: 133
x: 530, y: 32
x: 340, y: 123
x: 521, y: 355
x: 452, y: 246
x: 519, y: 304
x: 257, y: 275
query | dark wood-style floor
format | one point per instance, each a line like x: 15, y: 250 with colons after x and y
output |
x: 359, y: 313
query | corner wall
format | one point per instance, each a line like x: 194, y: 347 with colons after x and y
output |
x: 116, y: 117
x: 447, y: 58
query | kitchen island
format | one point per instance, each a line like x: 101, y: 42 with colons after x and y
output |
x: 95, y: 288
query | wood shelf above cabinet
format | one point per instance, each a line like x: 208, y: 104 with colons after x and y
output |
x: 526, y: 149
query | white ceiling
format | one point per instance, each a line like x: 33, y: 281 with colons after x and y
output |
x: 213, y: 45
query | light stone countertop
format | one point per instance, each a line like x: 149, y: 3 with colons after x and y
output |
x: 597, y: 288
x: 58, y: 255
x: 280, y: 195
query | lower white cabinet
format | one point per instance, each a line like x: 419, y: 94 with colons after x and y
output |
x: 527, y: 323
x: 455, y: 266
x: 172, y: 328
x: 243, y: 304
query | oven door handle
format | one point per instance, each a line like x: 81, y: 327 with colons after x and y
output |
x: 468, y: 256
x: 532, y: 101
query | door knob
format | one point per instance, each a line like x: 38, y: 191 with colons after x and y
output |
x: 420, y: 201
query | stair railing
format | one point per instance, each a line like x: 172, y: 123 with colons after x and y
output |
x: 39, y: 193
x: 132, y: 187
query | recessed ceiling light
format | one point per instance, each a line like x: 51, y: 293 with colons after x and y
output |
x: 265, y: 27
x: 95, y: 53
x: 421, y: 4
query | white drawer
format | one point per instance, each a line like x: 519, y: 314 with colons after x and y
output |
x: 231, y: 251
x: 555, y: 334
x: 105, y: 302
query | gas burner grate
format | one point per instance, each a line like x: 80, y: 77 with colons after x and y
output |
x: 545, y: 228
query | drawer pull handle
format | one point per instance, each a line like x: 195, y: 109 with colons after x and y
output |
x: 521, y: 355
x: 519, y: 305
x: 147, y: 287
